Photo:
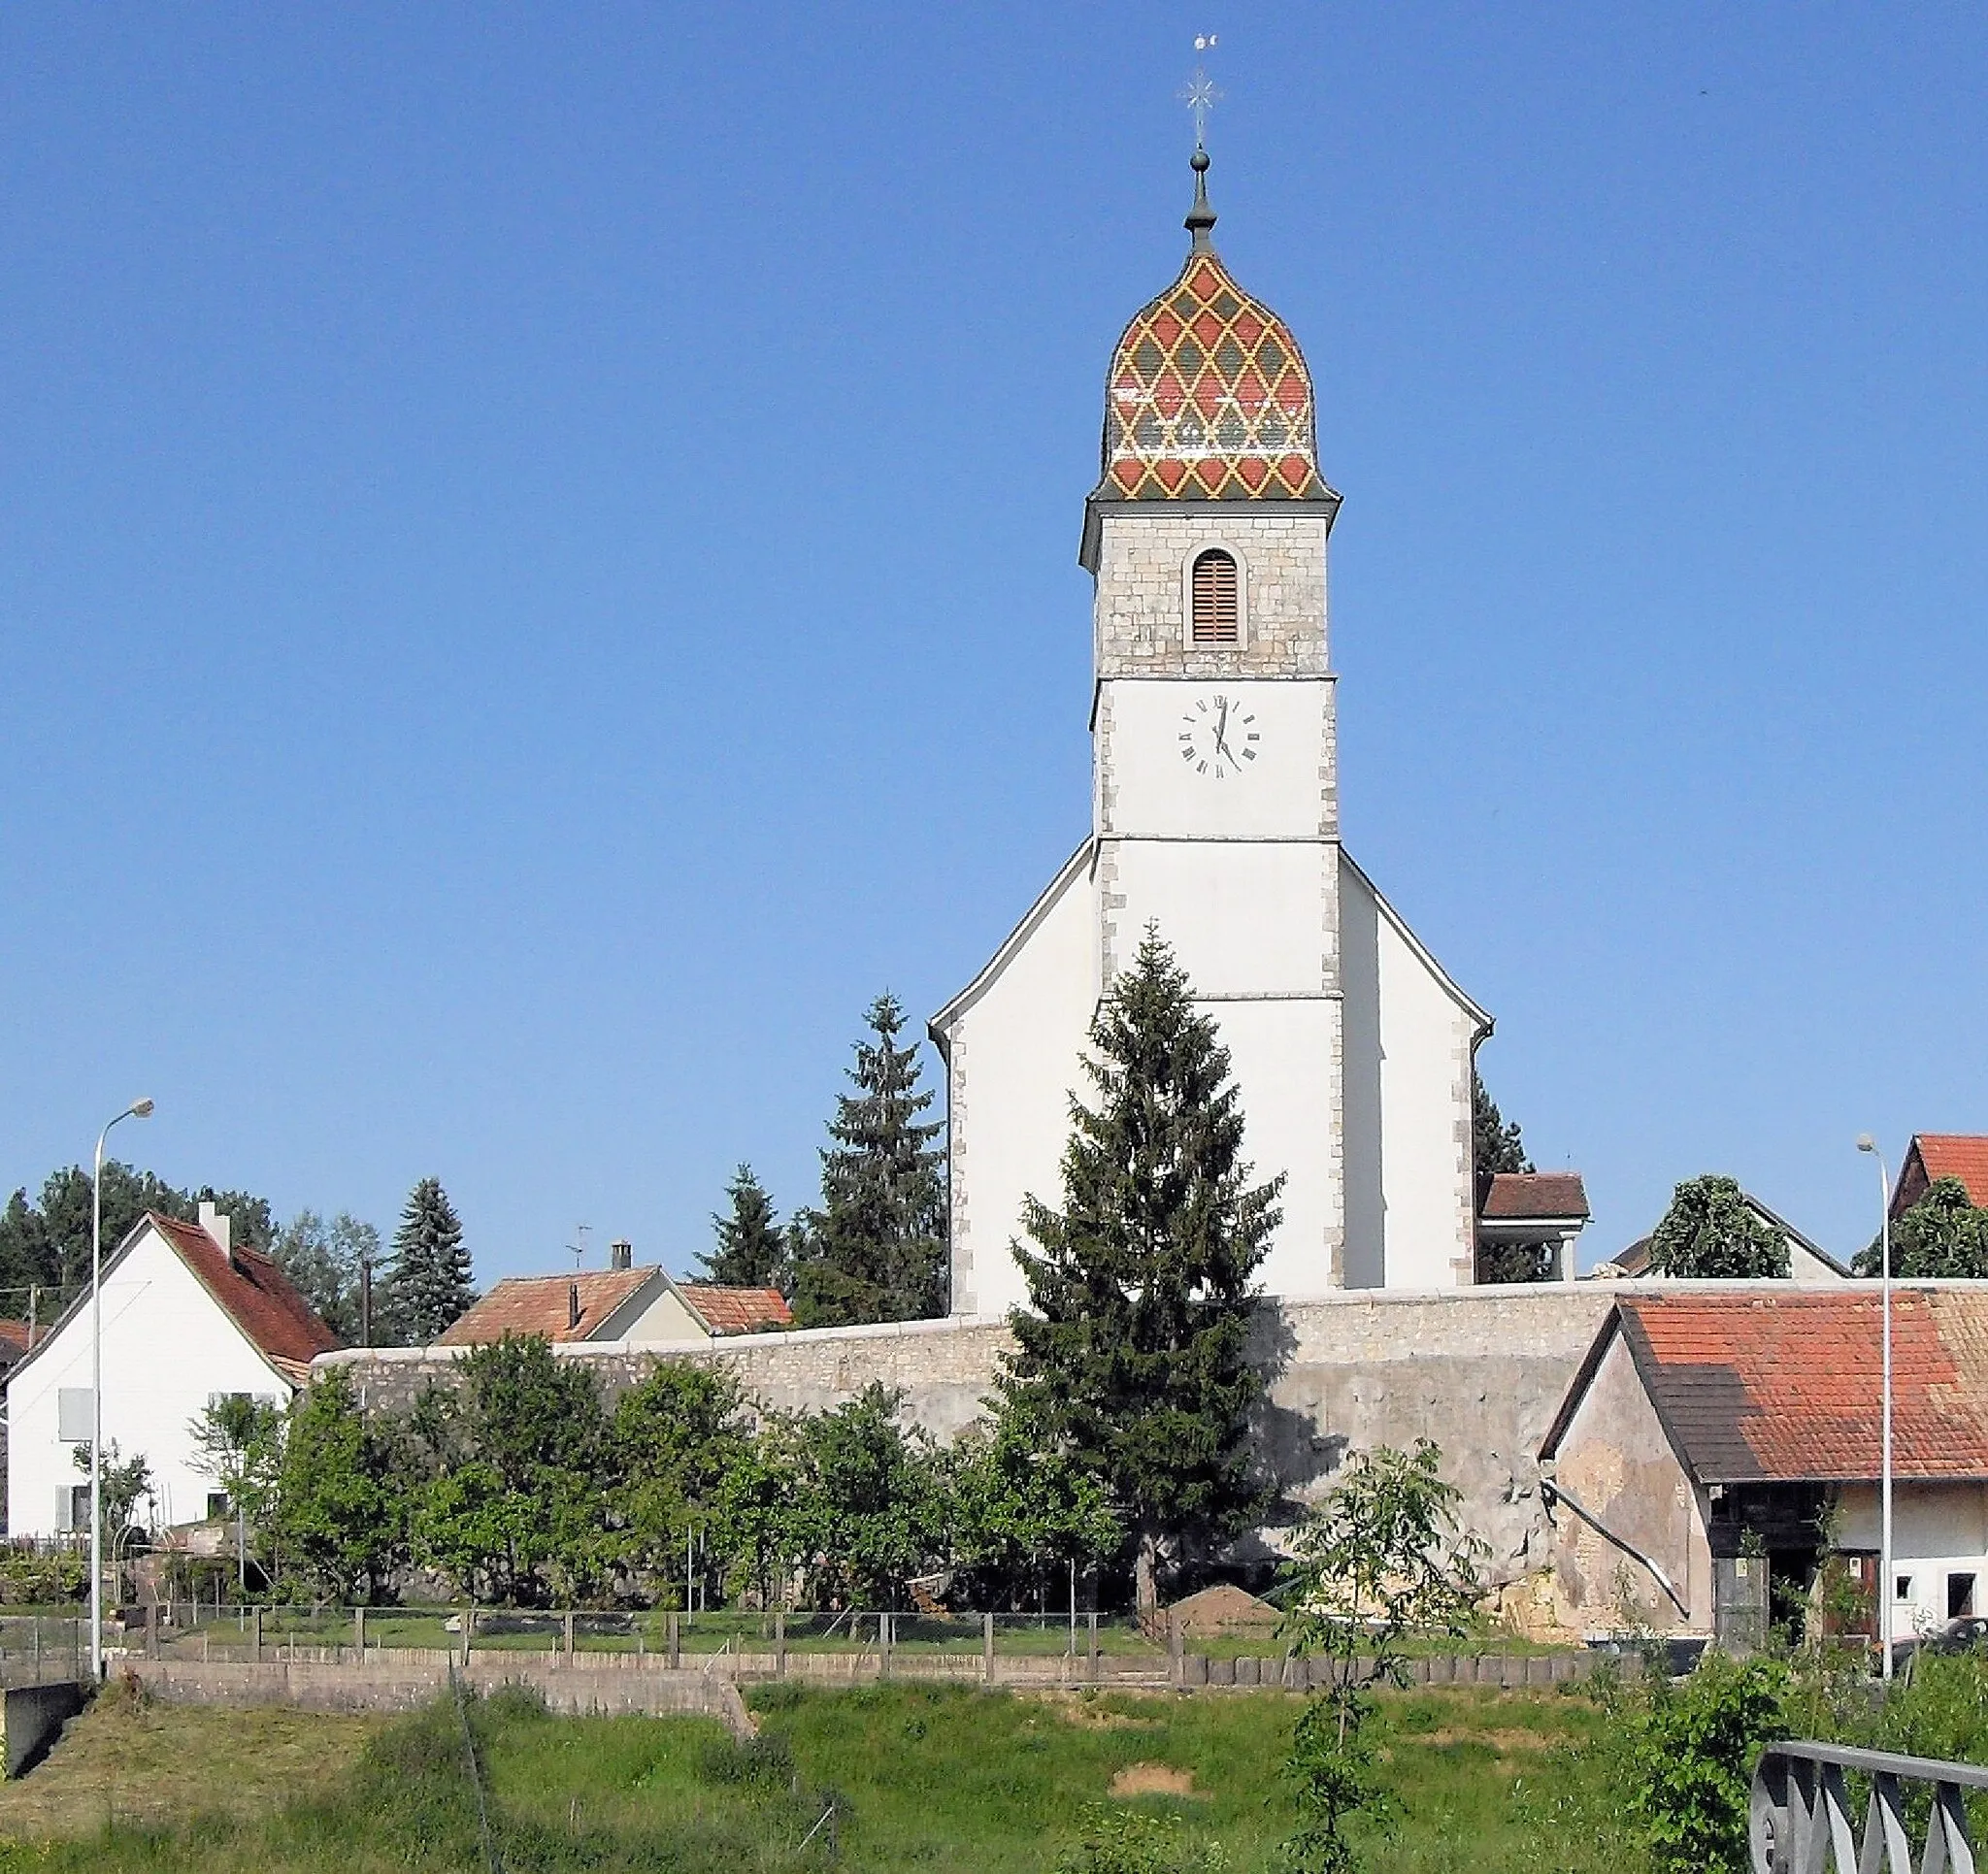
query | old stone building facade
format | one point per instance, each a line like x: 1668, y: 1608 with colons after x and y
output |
x: 1215, y: 818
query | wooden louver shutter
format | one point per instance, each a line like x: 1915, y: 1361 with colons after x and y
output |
x: 1214, y: 598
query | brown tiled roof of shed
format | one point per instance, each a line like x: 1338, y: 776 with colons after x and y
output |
x: 543, y: 1304
x: 1943, y: 1155
x: 1783, y: 1385
x: 258, y: 1295
x: 729, y: 1310
x: 1527, y: 1194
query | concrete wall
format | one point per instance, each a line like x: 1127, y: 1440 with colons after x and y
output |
x: 1479, y: 1370
x: 31, y: 1718
x: 168, y: 1348
x: 1616, y: 1461
x: 578, y: 1690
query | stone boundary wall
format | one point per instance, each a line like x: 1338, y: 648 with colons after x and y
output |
x: 1481, y: 1371
x: 400, y: 1687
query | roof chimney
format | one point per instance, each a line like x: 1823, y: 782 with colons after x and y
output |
x: 571, y: 1306
x: 217, y: 1225
x: 621, y: 1254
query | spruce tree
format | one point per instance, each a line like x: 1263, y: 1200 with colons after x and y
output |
x: 429, y: 1284
x: 752, y: 1247
x: 1494, y: 1145
x: 876, y: 1250
x: 1134, y: 1360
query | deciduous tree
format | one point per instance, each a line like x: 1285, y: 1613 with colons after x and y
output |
x: 1712, y: 1232
x: 1943, y: 1234
x: 238, y: 1442
x: 1133, y: 1356
x: 1381, y: 1556
x: 325, y: 1261
x: 342, y: 1493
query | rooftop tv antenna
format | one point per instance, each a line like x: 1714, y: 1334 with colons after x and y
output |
x: 579, y: 1249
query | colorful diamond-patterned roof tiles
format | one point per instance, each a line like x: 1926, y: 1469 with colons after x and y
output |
x: 1210, y: 399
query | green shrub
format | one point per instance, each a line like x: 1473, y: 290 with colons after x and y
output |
x: 31, y: 1579
x: 1130, y: 1841
x: 1695, y: 1752
x: 765, y: 1762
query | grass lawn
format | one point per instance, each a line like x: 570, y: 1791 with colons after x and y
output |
x: 932, y: 1779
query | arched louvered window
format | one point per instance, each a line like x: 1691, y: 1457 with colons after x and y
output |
x: 1215, y: 598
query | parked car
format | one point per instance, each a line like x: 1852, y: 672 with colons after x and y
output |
x: 1960, y: 1636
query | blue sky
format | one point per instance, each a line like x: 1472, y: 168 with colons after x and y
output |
x: 537, y: 563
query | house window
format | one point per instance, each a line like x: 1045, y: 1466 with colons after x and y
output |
x: 1215, y: 598
x: 1901, y: 1587
x: 1960, y: 1595
x: 217, y: 1505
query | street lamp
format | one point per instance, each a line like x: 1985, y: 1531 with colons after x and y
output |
x: 138, y: 1109
x: 1866, y: 1143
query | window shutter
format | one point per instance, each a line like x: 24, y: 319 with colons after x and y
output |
x: 65, y: 1509
x: 1214, y: 598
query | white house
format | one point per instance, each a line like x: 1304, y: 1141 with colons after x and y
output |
x: 1215, y: 817
x: 187, y: 1316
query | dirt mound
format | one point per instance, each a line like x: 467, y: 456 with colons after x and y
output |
x: 1154, y: 1780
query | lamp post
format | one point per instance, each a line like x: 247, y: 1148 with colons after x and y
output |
x: 138, y: 1109
x: 1866, y: 1143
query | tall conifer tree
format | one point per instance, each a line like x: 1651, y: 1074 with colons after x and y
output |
x: 751, y: 1246
x: 876, y: 1250
x: 429, y: 1284
x: 1134, y: 1360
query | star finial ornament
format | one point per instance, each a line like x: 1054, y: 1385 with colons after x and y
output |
x: 1200, y: 95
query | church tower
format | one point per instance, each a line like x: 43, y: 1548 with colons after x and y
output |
x: 1214, y: 817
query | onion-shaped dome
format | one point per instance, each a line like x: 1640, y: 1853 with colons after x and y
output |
x: 1209, y: 397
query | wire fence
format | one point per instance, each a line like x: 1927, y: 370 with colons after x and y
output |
x: 42, y: 1649
x: 853, y: 1643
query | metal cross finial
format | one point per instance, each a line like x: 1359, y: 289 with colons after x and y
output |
x: 1200, y: 95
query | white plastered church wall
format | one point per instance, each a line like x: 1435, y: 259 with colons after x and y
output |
x: 1410, y: 1033
x: 1012, y: 1044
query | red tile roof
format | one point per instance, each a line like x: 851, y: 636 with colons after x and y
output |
x: 738, y: 1310
x: 543, y: 1304
x: 1784, y: 1384
x: 258, y: 1295
x: 1526, y: 1195
x: 13, y: 1335
x: 1947, y: 1155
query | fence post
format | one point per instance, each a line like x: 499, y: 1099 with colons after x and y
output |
x: 255, y: 1640
x: 569, y: 1637
x: 469, y: 1628
x: 780, y: 1643
x: 1094, y: 1646
x: 359, y: 1633
x: 1176, y: 1645
x: 675, y: 1639
x: 987, y: 1649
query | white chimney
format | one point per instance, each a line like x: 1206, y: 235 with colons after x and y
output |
x: 219, y: 1226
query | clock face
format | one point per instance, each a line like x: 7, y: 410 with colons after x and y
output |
x: 1218, y: 737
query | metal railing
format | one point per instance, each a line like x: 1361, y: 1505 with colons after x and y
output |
x: 1802, y: 1809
